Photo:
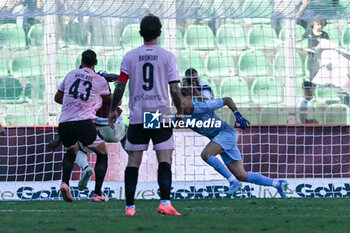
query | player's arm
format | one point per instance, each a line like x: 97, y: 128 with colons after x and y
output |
x: 243, y: 123
x: 59, y: 97
x: 230, y: 104
x: 53, y: 144
x: 176, y: 96
x: 117, y: 96
x: 108, y: 98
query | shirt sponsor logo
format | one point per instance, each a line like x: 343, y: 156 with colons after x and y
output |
x: 147, y: 97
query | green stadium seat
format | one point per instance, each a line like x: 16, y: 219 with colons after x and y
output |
x: 199, y: 37
x: 187, y: 59
x: 12, y: 36
x: 131, y: 37
x: 266, y: 90
x: 75, y: 35
x: 220, y: 63
x: 236, y: 88
x: 262, y: 37
x: 22, y: 115
x: 179, y: 39
x: 345, y: 42
x: 114, y: 61
x: 274, y: 115
x: 253, y: 63
x: 318, y: 111
x: 100, y: 62
x: 35, y: 89
x: 11, y: 90
x: 337, y: 114
x: 333, y: 32
x: 27, y: 63
x: 299, y: 86
x: 246, y: 110
x: 327, y: 95
x: 36, y: 35
x: 299, y: 32
x: 64, y: 64
x: 261, y: 8
x: 231, y: 36
x: 212, y: 84
x: 4, y: 67
x: 280, y: 64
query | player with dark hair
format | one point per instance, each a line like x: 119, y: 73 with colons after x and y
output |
x: 223, y: 140
x: 80, y: 95
x: 151, y: 71
x: 201, y: 91
x: 109, y: 135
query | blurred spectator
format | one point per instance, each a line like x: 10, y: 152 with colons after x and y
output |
x: 309, y: 9
x: 25, y: 8
x: 6, y: 10
x: 314, y: 36
x: 276, y: 20
x: 305, y: 106
x: 201, y: 91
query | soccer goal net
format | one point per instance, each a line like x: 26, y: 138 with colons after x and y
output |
x: 284, y: 63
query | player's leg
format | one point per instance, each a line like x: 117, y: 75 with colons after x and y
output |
x: 130, y: 180
x: 100, y: 168
x: 208, y: 155
x: 66, y: 134
x: 137, y: 141
x: 67, y: 166
x: 233, y: 159
x: 237, y: 169
x: 163, y: 141
x: 81, y: 160
x: 89, y: 138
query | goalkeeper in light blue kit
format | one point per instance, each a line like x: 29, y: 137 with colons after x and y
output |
x: 223, y: 141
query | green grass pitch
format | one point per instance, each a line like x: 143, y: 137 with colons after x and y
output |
x: 210, y: 215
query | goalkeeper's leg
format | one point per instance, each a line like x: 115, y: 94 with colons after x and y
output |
x: 208, y: 155
x: 237, y: 169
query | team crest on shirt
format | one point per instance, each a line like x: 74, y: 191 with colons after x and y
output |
x: 151, y: 120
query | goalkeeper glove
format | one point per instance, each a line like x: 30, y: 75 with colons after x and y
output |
x: 243, y: 123
x: 110, y: 77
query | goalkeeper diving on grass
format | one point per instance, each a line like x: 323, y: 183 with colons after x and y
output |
x: 223, y: 140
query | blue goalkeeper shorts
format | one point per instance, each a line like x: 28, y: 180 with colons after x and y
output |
x: 228, y: 142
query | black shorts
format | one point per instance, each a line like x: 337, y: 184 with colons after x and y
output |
x: 138, y: 135
x: 73, y: 131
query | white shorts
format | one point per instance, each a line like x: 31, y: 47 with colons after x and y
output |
x: 112, y: 135
x: 108, y: 134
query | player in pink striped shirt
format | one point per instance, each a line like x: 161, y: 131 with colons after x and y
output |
x: 151, y: 71
x: 80, y: 95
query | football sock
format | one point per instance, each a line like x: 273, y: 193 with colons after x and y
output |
x: 130, y: 181
x: 100, y: 172
x: 68, y: 162
x: 165, y: 202
x: 257, y: 178
x: 130, y: 206
x: 221, y: 168
x: 81, y: 160
x: 164, y: 180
